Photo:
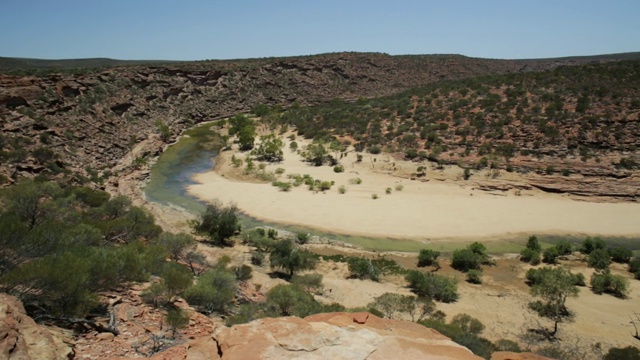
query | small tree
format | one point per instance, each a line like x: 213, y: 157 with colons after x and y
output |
x: 176, y: 319
x: 218, y: 223
x: 285, y: 255
x: 177, y: 245
x: 554, y: 286
x: 390, y: 304
x: 533, y: 243
x: 362, y: 268
x: 269, y: 148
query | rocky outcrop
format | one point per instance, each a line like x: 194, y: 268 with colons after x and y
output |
x: 323, y: 336
x: 22, y: 339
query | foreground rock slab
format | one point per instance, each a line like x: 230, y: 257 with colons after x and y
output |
x: 22, y: 339
x: 333, y: 336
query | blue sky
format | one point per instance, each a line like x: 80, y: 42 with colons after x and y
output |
x: 221, y: 29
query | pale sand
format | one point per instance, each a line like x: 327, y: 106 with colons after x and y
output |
x: 422, y: 210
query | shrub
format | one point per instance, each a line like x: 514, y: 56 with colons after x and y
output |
x: 599, y: 259
x: 362, y: 268
x: 468, y: 324
x: 439, y: 288
x: 375, y: 149
x: 243, y: 273
x: 428, y: 257
x: 531, y: 256
x: 176, y: 319
x: 374, y: 196
x: 474, y: 276
x: 338, y: 169
x: 465, y: 260
x: 399, y: 187
x: 282, y: 185
x: 620, y: 255
x: 550, y: 255
x: 387, y: 191
x: 564, y: 247
x: 218, y: 223
x: 286, y: 256
x: 214, y: 291
x: 310, y: 282
x: 290, y: 300
x: 615, y: 285
x: 591, y: 244
x: 302, y: 238
x: 257, y: 258
x: 634, y: 267
x: 355, y: 181
x: 579, y: 280
x: 342, y: 189
x: 325, y: 185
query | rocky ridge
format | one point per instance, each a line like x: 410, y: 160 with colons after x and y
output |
x: 84, y: 123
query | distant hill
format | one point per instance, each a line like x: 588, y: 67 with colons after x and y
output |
x: 9, y: 63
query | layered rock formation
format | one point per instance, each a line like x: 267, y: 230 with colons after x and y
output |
x: 22, y: 339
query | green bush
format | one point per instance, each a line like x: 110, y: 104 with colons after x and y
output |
x: 531, y: 256
x: 428, y: 257
x: 243, y: 272
x: 176, y: 319
x: 338, y: 169
x: 550, y: 255
x: 218, y: 223
x: 634, y: 267
x: 465, y: 260
x: 474, y: 276
x: 591, y: 244
x: 620, y: 255
x: 599, y: 259
x: 310, y: 282
x: 362, y: 268
x: 213, y: 292
x: 287, y: 256
x: 439, y: 288
x: 615, y: 285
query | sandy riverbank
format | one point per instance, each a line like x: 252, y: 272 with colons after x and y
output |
x: 447, y: 209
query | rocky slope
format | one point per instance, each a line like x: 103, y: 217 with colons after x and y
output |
x: 79, y: 124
